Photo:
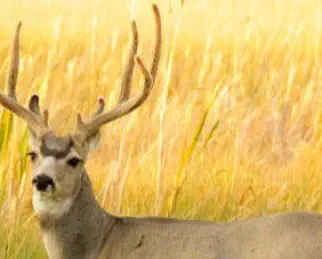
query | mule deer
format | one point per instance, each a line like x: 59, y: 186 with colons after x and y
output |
x: 75, y: 226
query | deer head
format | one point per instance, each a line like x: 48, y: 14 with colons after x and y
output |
x: 58, y: 162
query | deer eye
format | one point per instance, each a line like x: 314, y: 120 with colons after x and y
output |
x: 32, y: 155
x: 73, y: 162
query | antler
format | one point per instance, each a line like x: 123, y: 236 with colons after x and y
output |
x: 126, y: 105
x: 33, y: 116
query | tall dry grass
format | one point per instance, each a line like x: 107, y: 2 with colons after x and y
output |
x: 233, y: 126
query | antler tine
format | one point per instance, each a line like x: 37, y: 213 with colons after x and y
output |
x: 158, y: 42
x: 10, y: 102
x: 45, y: 117
x: 14, y: 66
x: 35, y: 108
x: 86, y: 130
x: 101, y: 106
x: 34, y: 104
x: 129, y: 66
x: 99, y: 110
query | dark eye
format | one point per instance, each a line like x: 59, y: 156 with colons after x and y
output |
x: 32, y: 155
x: 73, y: 162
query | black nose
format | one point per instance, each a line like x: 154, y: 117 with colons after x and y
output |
x: 42, y: 182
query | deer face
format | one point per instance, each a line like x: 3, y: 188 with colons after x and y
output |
x: 57, y: 166
x: 57, y: 169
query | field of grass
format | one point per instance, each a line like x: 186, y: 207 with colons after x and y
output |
x: 233, y: 127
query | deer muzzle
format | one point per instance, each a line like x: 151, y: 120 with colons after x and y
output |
x: 43, y: 182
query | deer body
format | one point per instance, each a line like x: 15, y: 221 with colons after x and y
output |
x: 75, y: 226
x: 86, y: 231
x: 284, y: 236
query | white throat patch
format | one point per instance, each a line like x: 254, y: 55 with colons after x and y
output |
x: 44, y: 205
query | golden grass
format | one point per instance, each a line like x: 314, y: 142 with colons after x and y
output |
x: 232, y: 129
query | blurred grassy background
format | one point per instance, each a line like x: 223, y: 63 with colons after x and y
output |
x: 233, y: 126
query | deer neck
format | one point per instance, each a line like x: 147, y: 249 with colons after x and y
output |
x: 81, y: 230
